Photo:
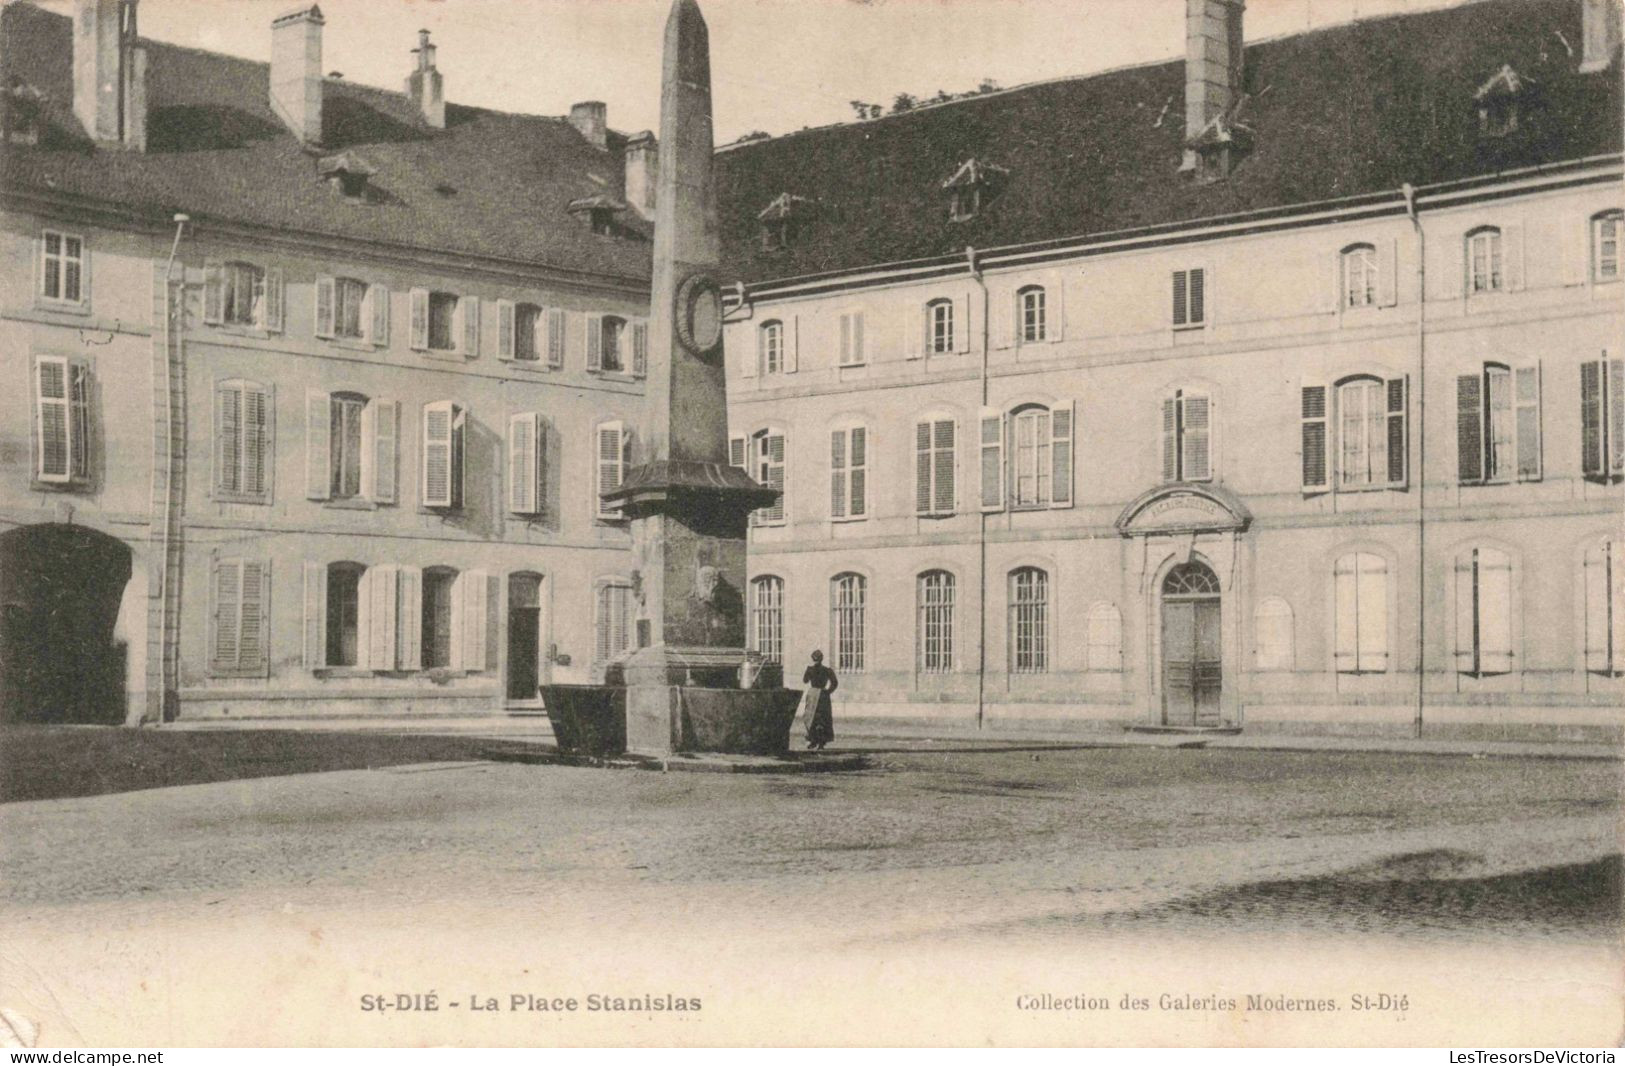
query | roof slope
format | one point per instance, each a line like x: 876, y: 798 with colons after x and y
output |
x: 489, y: 184
x: 1337, y: 112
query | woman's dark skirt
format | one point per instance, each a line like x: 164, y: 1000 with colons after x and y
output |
x: 821, y: 726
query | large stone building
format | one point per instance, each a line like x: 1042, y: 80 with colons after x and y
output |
x: 1278, y: 387
x: 333, y: 444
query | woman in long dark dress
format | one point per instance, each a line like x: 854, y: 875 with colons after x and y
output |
x: 820, y: 679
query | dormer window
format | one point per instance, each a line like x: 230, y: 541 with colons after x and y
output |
x: 971, y: 187
x: 782, y: 220
x: 599, y: 212
x: 1499, y: 102
x: 1219, y: 147
x: 347, y: 174
x: 21, y: 108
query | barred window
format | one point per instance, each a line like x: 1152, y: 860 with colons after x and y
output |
x: 848, y: 599
x: 1029, y: 621
x: 767, y: 617
x: 935, y: 636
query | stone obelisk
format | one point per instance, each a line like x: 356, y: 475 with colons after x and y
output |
x: 688, y: 507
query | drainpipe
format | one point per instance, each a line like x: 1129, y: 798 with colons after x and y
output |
x: 1421, y: 453
x: 981, y: 540
x: 169, y: 505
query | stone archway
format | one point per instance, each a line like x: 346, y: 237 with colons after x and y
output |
x: 61, y: 589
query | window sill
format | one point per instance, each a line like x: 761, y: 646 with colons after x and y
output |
x: 341, y: 672
x: 447, y: 511
x: 77, y: 485
x: 228, y: 497
x: 353, y: 344
x: 521, y: 363
x: 237, y: 329
x: 852, y: 366
x: 447, y: 355
x: 223, y: 674
x: 935, y: 514
x: 843, y: 520
x: 615, y: 375
x: 1192, y: 327
x: 62, y: 307
x: 350, y: 504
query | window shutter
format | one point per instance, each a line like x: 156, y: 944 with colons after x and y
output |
x: 640, y: 348
x: 383, y: 617
x: 753, y: 362
x: 324, y: 306
x: 274, y: 300
x: 1526, y: 400
x: 1055, y: 308
x: 859, y: 349
x: 1494, y: 612
x: 791, y: 343
x: 858, y: 460
x: 523, y: 467
x: 1398, y: 393
x: 378, y: 313
x: 1181, y: 298
x: 1372, y: 624
x: 469, y: 623
x: 1062, y: 436
x: 1592, y: 418
x: 1198, y: 436
x: 409, y: 631
x: 837, y: 474
x: 775, y: 476
x: 846, y: 351
x: 1512, y: 265
x: 923, y: 468
x: 52, y: 419
x: 1388, y: 272
x: 1597, y: 613
x: 469, y: 308
x: 228, y: 575
x: 1466, y: 642
x: 1345, y: 591
x: 1334, y: 296
x: 78, y: 419
x: 437, y: 454
x: 1575, y: 239
x: 1200, y: 297
x: 505, y: 329
x: 736, y: 452
x: 1616, y: 416
x: 992, y: 459
x: 315, y: 629
x: 228, y: 408
x: 1006, y: 320
x: 945, y: 498
x: 253, y: 650
x: 916, y: 331
x: 595, y: 342
x: 1470, y: 428
x: 610, y: 452
x: 1614, y: 588
x: 380, y: 430
x: 318, y: 445
x: 556, y: 324
x: 961, y: 307
x: 1170, y: 438
x: 1313, y: 421
x: 256, y: 439
x: 420, y: 319
x: 214, y: 295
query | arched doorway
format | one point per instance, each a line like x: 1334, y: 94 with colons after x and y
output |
x: 526, y: 663
x: 1192, y: 670
x: 60, y: 590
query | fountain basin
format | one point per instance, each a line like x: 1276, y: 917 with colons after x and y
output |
x: 592, y: 720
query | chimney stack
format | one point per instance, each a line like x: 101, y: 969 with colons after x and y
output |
x: 1600, y: 30
x: 591, y: 119
x: 296, y: 72
x: 425, y: 87
x: 1214, y: 47
x: 109, y: 73
x: 642, y: 172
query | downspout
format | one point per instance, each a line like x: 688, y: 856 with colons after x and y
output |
x: 1421, y: 453
x: 981, y: 540
x: 169, y: 504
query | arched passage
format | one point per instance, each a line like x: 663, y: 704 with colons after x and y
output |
x: 60, y: 591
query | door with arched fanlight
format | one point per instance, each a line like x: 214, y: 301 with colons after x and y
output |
x: 1192, y: 668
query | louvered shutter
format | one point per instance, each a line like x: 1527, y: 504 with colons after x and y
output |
x: 1198, y: 298
x: 383, y: 617
x: 944, y: 498
x: 837, y: 474
x: 1062, y: 436
x: 378, y: 314
x: 736, y: 453
x: 228, y: 575
x: 595, y: 342
x: 505, y: 329
x: 275, y: 300
x: 1616, y: 416
x: 324, y: 306
x: 992, y: 459
x: 214, y: 293
x: 640, y: 348
x: 556, y: 325
x: 852, y: 338
x: 228, y: 435
x: 1334, y: 294
x: 1466, y: 621
x: 315, y: 627
x: 961, y: 306
x: 1388, y: 272
x: 409, y: 633
x: 318, y: 445
x: 922, y: 468
x: 1313, y: 420
x: 791, y: 342
x: 1599, y: 612
x: 469, y: 308
x: 380, y: 432
x: 437, y: 454
x: 1197, y: 411
x: 609, y: 448
x: 916, y: 331
x: 1372, y: 624
x: 256, y: 439
x: 420, y: 319
x: 1181, y: 312
x: 1592, y: 418
x: 1346, y: 603
x: 774, y: 444
x: 1512, y: 264
x: 1574, y: 237
x: 523, y: 471
x: 253, y: 636
x: 1397, y: 391
x: 1526, y: 400
x: 754, y: 361
x: 858, y: 460
x: 53, y: 420
x: 1055, y: 308
x: 469, y: 626
x: 1007, y: 320
x: 1470, y: 428
x: 1170, y: 438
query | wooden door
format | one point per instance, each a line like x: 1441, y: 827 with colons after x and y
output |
x: 1179, y: 663
x: 1209, y: 666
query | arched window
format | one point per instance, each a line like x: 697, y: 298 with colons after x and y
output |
x: 1029, y: 621
x: 1031, y: 311
x: 1359, y: 275
x: 1362, y: 433
x: 939, y: 327
x: 343, y: 613
x: 1605, y: 607
x: 1103, y: 634
x: 767, y: 617
x: 1483, y: 612
x: 1484, y: 266
x: 1360, y: 587
x: 934, y: 634
x: 770, y: 347
x: 1607, y: 229
x: 1272, y: 634
x: 848, y: 601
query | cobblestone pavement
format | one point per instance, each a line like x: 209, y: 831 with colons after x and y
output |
x: 971, y: 854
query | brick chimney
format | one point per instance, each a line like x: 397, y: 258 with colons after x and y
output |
x: 1600, y: 30
x: 1213, y: 63
x: 425, y: 87
x: 296, y: 72
x: 109, y: 73
x: 642, y: 172
x: 591, y: 119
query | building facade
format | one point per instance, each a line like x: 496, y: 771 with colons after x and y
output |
x: 1317, y: 423
x: 312, y: 386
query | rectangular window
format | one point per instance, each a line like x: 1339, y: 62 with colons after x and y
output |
x: 242, y: 294
x: 1606, y: 231
x: 1187, y: 435
x: 61, y: 420
x: 1602, y: 418
x: 612, y: 622
x: 1361, y: 592
x: 438, y: 590
x: 1483, y: 612
x: 939, y: 316
x: 849, y: 473
x: 343, y: 615
x: 1190, y: 298
x: 1362, y: 408
x: 442, y: 322
x: 1029, y: 622
x: 1030, y: 458
x: 62, y: 267
x: 767, y: 463
x: 1498, y: 425
x: 767, y: 618
x: 527, y: 463
x: 771, y: 338
x: 349, y: 308
x: 934, y: 467
x: 242, y: 440
x: 239, y: 618
x: 1033, y: 326
x: 935, y: 635
x: 442, y: 448
x: 611, y: 331
x: 1360, y: 277
x: 1484, y: 265
x: 848, y: 606
x: 852, y: 353
x: 345, y: 446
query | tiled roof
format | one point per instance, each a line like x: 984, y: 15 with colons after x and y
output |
x: 489, y: 184
x: 1337, y: 112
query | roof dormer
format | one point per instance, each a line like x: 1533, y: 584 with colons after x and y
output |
x: 22, y: 113
x: 972, y: 187
x: 1499, y: 102
x: 347, y: 173
x: 599, y: 211
x: 1218, y: 147
x: 781, y: 221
